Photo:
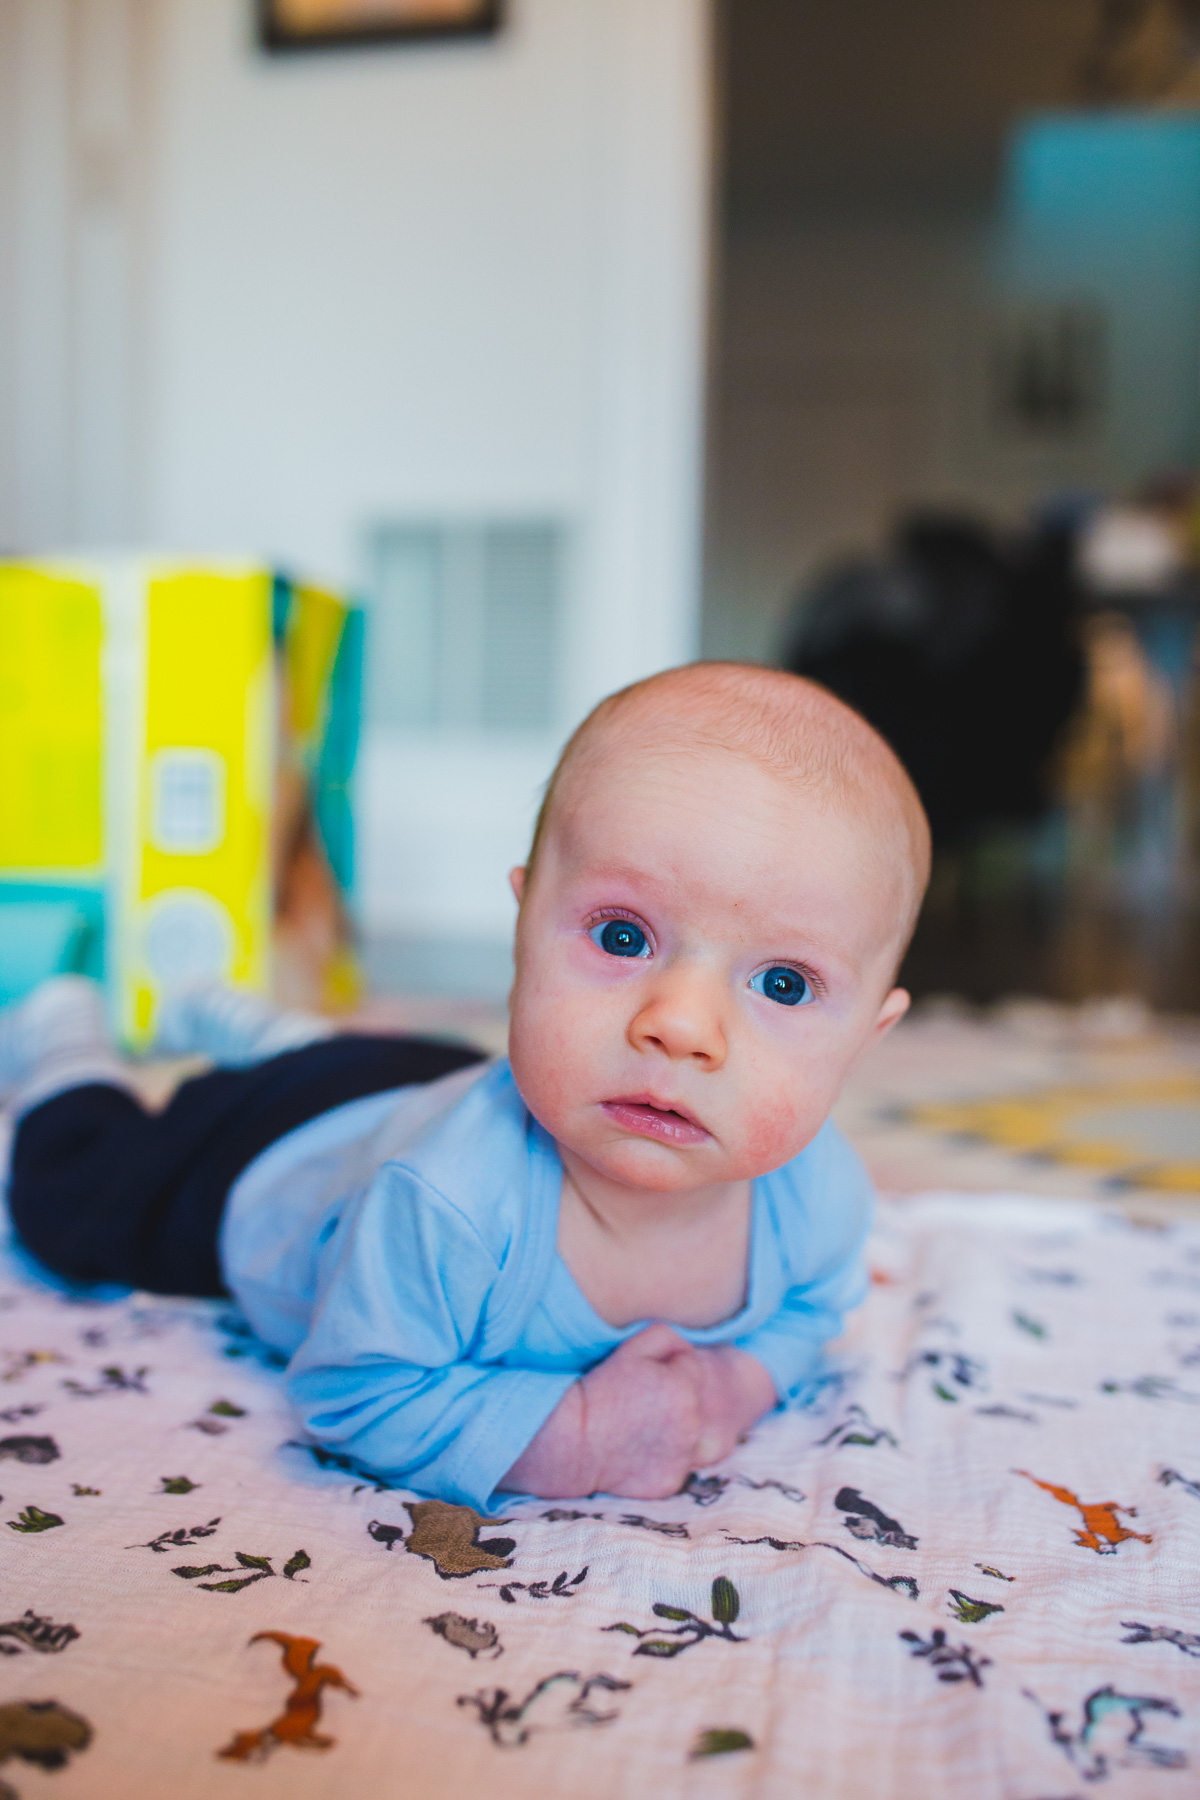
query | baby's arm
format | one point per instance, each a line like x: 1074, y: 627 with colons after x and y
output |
x: 641, y: 1420
x: 737, y: 1393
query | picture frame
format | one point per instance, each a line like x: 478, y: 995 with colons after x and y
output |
x: 299, y: 25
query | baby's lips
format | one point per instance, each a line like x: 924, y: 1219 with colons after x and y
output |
x: 655, y: 1119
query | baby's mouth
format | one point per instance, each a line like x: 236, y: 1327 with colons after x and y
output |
x: 654, y: 1119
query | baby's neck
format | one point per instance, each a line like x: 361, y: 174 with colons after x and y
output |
x: 637, y: 1255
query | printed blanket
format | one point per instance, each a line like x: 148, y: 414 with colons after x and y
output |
x: 970, y: 1565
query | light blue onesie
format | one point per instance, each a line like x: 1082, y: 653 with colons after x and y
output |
x: 402, y: 1250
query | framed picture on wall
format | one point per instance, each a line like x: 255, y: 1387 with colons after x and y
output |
x: 317, y: 24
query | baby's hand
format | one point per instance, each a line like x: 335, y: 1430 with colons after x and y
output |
x: 735, y: 1394
x: 632, y: 1426
x: 640, y: 1422
x: 644, y: 1415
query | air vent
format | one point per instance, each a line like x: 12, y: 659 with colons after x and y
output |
x: 465, y: 625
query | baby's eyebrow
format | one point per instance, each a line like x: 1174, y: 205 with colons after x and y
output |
x: 622, y: 872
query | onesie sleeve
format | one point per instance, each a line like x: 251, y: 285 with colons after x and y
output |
x: 389, y: 1372
x: 825, y: 1204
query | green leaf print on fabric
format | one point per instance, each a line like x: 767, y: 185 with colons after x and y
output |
x: 261, y: 1569
x: 688, y: 1628
x: 34, y: 1519
x: 719, y: 1741
x: 971, y: 1612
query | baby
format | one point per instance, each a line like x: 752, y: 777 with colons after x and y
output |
x: 590, y: 1267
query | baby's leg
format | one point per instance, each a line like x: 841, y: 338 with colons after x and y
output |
x: 102, y: 1190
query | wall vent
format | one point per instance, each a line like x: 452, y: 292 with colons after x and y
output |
x: 465, y: 625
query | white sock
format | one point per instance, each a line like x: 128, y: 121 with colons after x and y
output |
x: 56, y: 1038
x: 232, y: 1025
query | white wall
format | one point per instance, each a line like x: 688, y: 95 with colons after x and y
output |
x: 261, y: 303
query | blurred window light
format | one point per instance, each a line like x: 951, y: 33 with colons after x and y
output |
x: 465, y: 625
x: 1127, y: 550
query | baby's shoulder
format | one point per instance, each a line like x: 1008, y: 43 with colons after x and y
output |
x: 474, y: 1160
x: 823, y: 1195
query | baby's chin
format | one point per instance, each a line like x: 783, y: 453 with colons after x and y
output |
x: 656, y: 1168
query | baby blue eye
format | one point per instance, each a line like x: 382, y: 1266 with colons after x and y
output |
x: 620, y: 937
x: 785, y: 986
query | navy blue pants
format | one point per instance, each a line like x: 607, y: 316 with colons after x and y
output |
x: 102, y: 1190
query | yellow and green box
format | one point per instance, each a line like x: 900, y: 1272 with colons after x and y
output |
x: 141, y: 706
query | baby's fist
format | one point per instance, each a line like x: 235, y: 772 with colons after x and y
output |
x: 644, y: 1416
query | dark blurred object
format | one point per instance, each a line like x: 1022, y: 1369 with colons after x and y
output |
x: 961, y: 651
x: 1139, y: 51
x: 325, y: 24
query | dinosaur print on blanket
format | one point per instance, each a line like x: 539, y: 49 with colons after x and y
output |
x: 448, y: 1537
x: 35, y: 1633
x: 33, y: 1450
x: 1112, y: 1733
x: 476, y: 1636
x: 1187, y: 1641
x: 41, y: 1732
x: 558, y: 1702
x: 297, y: 1723
x: 1172, y: 1478
x: 1101, y: 1531
x: 865, y: 1520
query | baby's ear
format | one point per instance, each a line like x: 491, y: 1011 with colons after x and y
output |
x: 516, y: 881
x: 892, y: 1011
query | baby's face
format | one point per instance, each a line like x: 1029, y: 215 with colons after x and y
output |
x: 702, y: 952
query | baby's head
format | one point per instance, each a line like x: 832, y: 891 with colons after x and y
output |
x: 725, y: 873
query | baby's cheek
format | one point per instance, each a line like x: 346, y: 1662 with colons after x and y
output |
x: 780, y: 1123
x: 545, y: 1047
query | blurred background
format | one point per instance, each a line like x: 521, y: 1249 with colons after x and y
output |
x: 575, y: 338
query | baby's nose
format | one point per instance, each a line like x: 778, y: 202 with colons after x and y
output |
x: 681, y: 1018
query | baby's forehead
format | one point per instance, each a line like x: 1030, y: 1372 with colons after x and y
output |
x: 663, y: 769
x: 633, y: 794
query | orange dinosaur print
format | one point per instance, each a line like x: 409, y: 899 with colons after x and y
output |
x: 1101, y: 1530
x: 296, y: 1723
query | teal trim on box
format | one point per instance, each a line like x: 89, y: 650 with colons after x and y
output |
x: 281, y: 606
x: 48, y: 929
x: 333, y: 773
x: 333, y: 799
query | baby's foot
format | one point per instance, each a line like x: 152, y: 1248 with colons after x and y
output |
x: 56, y: 1036
x: 231, y: 1025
